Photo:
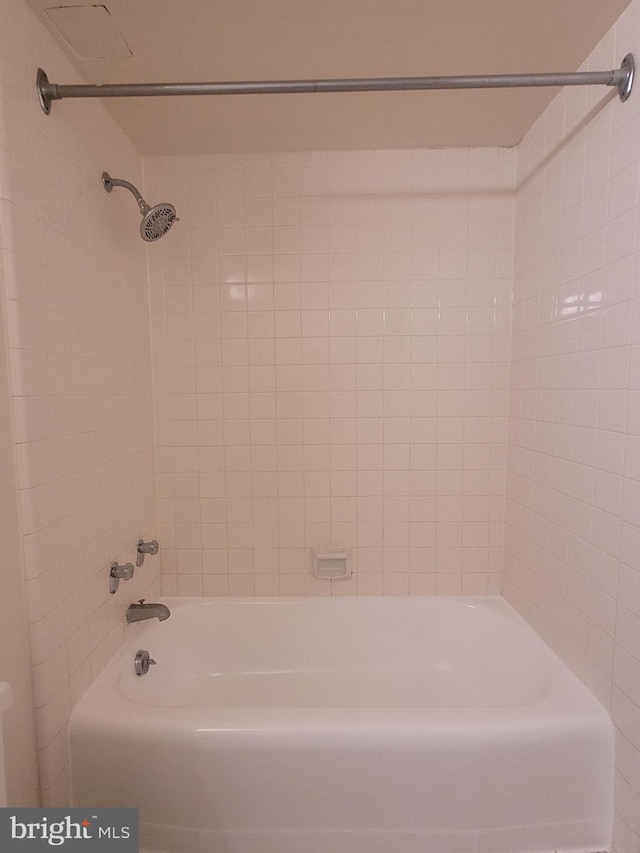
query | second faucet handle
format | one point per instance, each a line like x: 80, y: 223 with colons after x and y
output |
x: 145, y: 548
x: 118, y: 573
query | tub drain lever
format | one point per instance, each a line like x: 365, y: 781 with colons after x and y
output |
x: 142, y: 662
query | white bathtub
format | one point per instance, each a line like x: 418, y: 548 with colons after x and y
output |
x: 360, y: 725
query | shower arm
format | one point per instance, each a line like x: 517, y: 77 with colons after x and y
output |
x: 109, y: 183
x: 621, y: 78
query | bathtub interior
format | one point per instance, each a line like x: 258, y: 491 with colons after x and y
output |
x: 275, y: 652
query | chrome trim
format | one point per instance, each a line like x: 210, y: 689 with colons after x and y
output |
x: 622, y: 78
x: 118, y: 573
x: 142, y: 662
x: 145, y: 548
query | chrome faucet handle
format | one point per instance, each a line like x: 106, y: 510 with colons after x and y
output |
x: 145, y: 548
x: 118, y: 573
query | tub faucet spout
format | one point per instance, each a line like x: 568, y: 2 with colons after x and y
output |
x: 138, y: 612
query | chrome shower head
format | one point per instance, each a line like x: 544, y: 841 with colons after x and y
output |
x: 156, y: 221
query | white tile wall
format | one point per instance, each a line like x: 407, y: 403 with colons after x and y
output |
x: 76, y: 306
x: 573, y: 480
x: 331, y: 340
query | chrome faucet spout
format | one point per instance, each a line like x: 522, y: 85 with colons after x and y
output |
x: 140, y: 611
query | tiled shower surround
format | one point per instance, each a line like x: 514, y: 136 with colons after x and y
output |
x: 572, y: 534
x: 332, y: 360
x: 331, y: 344
x: 73, y: 280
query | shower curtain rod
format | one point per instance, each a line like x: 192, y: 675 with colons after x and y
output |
x: 622, y: 78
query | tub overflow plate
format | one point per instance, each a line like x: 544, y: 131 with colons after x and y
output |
x: 142, y: 662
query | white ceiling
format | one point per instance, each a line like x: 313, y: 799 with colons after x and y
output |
x: 220, y: 40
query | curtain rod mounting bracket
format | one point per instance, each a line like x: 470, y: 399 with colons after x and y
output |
x: 43, y: 88
x: 625, y: 85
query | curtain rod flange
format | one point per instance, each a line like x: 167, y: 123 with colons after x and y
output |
x: 43, y: 88
x: 628, y: 69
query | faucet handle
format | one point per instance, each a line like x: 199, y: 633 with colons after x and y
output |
x: 144, y: 548
x: 118, y: 573
x: 141, y: 602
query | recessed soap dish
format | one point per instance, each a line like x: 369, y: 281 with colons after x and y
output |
x: 331, y: 563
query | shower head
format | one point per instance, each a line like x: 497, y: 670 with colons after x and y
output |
x: 156, y: 221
